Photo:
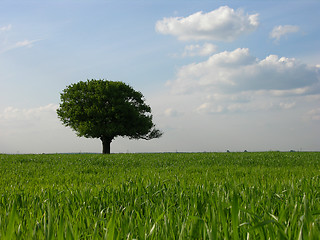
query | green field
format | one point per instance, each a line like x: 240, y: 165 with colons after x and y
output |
x: 270, y: 195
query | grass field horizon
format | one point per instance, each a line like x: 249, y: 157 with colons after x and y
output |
x: 163, y: 152
x: 209, y: 195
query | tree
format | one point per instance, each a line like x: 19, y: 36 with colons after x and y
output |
x: 106, y: 109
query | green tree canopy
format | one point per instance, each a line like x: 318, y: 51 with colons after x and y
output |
x: 106, y: 109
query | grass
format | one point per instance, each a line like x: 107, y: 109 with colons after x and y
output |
x: 270, y: 195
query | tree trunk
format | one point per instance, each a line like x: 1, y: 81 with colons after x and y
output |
x: 106, y: 145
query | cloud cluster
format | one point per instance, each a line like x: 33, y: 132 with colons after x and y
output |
x: 17, y: 115
x: 234, y: 81
x: 222, y: 24
x: 238, y: 70
x: 282, y: 30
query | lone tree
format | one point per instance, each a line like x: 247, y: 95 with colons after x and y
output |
x: 106, y: 109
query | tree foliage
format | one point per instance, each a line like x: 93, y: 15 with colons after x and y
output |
x: 106, y: 109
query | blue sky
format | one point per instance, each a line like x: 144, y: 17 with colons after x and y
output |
x: 218, y: 75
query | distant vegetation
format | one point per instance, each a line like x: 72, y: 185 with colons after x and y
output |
x: 269, y: 195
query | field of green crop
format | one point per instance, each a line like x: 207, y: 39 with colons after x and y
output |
x: 270, y: 195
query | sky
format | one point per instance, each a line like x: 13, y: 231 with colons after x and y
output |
x: 218, y: 75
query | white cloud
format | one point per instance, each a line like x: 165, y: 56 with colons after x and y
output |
x: 236, y: 81
x: 239, y: 71
x: 7, y: 44
x: 10, y: 46
x: 282, y: 30
x: 222, y: 24
x: 208, y: 107
x: 169, y: 112
x: 199, y: 50
x: 25, y: 43
x: 5, y: 28
x: 11, y: 114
